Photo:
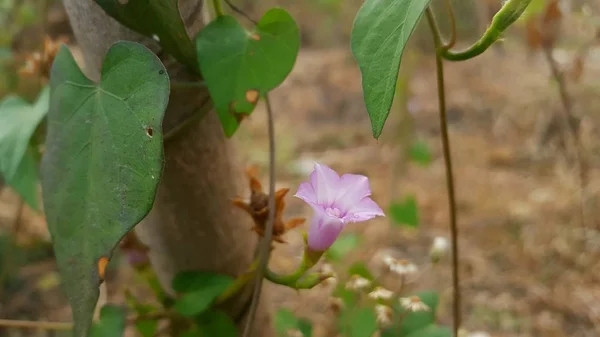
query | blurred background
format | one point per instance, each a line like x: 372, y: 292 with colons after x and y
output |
x: 529, y: 260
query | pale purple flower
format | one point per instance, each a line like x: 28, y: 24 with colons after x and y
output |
x: 336, y: 201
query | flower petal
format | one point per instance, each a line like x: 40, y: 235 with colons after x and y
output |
x: 364, y: 210
x: 323, y: 231
x: 324, y: 181
x: 352, y: 188
x: 307, y: 193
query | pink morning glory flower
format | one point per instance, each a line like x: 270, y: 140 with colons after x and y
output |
x: 336, y: 201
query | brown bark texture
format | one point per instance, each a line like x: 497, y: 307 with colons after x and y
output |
x: 192, y: 225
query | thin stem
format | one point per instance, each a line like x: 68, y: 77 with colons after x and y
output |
x: 45, y: 325
x: 218, y: 8
x: 240, y: 11
x: 452, y: 21
x: 449, y: 173
x: 569, y: 132
x: 265, y: 249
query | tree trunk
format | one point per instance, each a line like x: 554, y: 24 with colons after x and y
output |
x: 192, y: 224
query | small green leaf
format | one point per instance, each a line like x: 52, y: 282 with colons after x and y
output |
x: 111, y: 323
x: 155, y: 18
x: 360, y: 322
x: 381, y: 31
x: 239, y: 66
x: 420, y: 153
x: 102, y: 163
x: 305, y: 326
x: 146, y: 327
x: 431, y: 331
x: 414, y: 321
x: 405, y: 213
x: 18, y: 163
x: 360, y: 268
x: 342, y: 246
x: 189, y: 281
x: 285, y: 320
x: 216, y: 323
x: 200, y: 290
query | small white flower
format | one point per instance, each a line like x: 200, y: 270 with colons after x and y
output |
x: 357, y: 282
x: 404, y: 267
x: 384, y: 314
x: 380, y: 293
x: 155, y: 37
x: 439, y: 248
x: 401, y: 267
x: 414, y: 304
x: 294, y: 333
x: 479, y: 334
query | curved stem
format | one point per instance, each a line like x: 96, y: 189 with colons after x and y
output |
x: 452, y: 21
x: 264, y: 249
x: 449, y: 173
x: 238, y: 284
x: 218, y: 8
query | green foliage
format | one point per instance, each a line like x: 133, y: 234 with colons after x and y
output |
x: 358, y: 322
x: 239, y: 66
x: 285, y: 320
x: 381, y: 30
x: 111, y: 323
x: 414, y: 321
x: 420, y: 153
x: 145, y: 327
x: 159, y: 18
x: 216, y: 323
x: 102, y: 163
x: 199, y: 290
x: 342, y: 246
x: 406, y: 212
x: 18, y: 155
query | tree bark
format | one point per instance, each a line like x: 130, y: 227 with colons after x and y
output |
x: 192, y: 225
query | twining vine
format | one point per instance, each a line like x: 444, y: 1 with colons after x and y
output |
x: 112, y: 131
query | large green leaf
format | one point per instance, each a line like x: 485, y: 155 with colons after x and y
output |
x: 155, y: 18
x: 18, y: 163
x: 200, y: 290
x: 111, y: 323
x: 359, y: 322
x: 239, y: 65
x: 102, y: 163
x: 381, y: 31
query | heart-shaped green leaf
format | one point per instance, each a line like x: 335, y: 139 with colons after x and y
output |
x: 239, y: 66
x: 159, y: 19
x: 111, y: 323
x: 102, y: 163
x: 405, y: 213
x: 200, y: 290
x: 420, y: 153
x: 381, y: 31
x: 18, y: 163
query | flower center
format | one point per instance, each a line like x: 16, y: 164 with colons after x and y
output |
x: 333, y: 212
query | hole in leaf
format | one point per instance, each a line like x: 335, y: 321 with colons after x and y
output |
x: 102, y: 262
x: 162, y: 71
x: 149, y: 132
x: 252, y: 96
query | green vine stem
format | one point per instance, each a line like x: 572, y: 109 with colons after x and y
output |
x: 506, y: 16
x: 456, y: 312
x: 218, y: 8
x: 238, y: 284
